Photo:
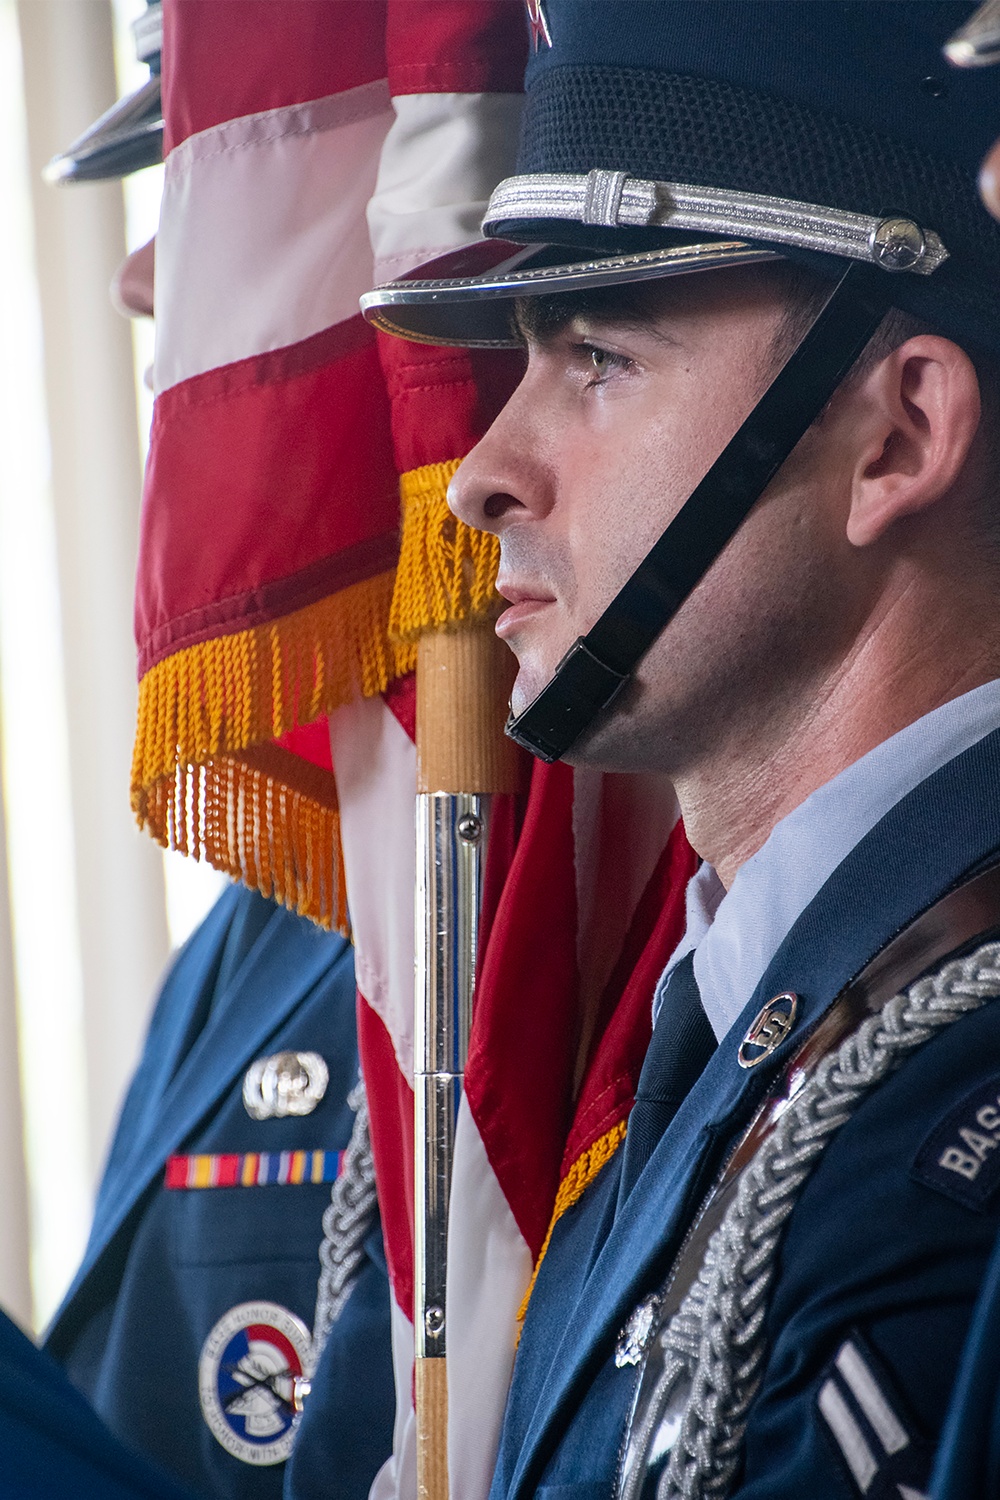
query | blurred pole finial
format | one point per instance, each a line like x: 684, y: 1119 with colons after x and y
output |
x: 977, y: 43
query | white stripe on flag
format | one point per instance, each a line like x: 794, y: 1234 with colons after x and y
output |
x: 398, y: 1475
x: 442, y: 157
x: 263, y: 239
x: 375, y: 764
x: 489, y: 1267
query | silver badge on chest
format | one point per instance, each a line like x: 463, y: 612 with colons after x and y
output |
x: 287, y: 1083
x: 635, y: 1336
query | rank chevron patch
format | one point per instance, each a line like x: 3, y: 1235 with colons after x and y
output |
x: 885, y: 1458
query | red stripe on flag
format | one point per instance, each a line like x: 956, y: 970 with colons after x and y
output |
x: 310, y: 742
x: 624, y: 1024
x: 443, y: 400
x: 525, y: 1023
x: 390, y: 1108
x: 456, y: 46
x: 228, y: 58
x: 270, y: 367
x: 401, y: 701
x: 258, y: 606
x: 291, y: 474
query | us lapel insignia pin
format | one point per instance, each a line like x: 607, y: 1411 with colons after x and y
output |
x: 252, y: 1373
x: 635, y: 1336
x: 769, y: 1029
x: 289, y: 1083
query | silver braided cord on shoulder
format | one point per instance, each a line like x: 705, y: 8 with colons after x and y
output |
x: 714, y: 1344
x: 347, y: 1220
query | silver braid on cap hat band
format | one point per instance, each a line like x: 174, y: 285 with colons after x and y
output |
x: 715, y: 1343
x: 613, y: 200
x: 347, y: 1221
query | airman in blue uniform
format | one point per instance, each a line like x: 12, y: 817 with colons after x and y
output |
x: 192, y: 1314
x: 748, y: 535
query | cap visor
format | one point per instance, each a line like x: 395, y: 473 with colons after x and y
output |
x: 464, y: 299
x: 127, y: 137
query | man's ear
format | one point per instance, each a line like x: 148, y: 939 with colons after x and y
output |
x: 921, y: 411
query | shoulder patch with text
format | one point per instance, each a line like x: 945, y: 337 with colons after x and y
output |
x: 961, y: 1156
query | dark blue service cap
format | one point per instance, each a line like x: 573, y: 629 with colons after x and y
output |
x: 813, y: 130
x: 128, y: 136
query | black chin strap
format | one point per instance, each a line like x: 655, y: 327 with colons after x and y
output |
x: 598, y: 665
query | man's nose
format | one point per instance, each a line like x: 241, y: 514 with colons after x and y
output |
x: 132, y: 284
x: 499, y: 479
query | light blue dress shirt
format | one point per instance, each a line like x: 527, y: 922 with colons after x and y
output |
x: 736, y: 933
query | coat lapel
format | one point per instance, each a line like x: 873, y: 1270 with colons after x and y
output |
x: 284, y: 964
x: 184, y: 999
x: 934, y: 836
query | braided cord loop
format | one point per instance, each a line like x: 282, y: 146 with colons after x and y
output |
x: 714, y: 1347
x: 347, y: 1220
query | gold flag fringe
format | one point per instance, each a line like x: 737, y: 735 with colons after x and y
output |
x: 447, y: 570
x: 223, y: 695
x: 267, y: 818
x: 572, y: 1188
x: 206, y: 778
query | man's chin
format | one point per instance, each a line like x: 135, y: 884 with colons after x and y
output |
x: 531, y: 680
x: 521, y: 696
x: 613, y: 742
x: 593, y: 743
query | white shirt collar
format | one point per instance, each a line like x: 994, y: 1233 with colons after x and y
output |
x: 736, y: 934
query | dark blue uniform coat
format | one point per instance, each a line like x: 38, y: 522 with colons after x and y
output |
x: 162, y: 1266
x: 871, y: 1254
x: 53, y: 1445
x: 968, y: 1461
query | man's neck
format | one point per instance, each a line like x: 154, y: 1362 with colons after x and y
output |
x: 733, y: 799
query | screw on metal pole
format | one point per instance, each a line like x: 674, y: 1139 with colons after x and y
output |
x: 470, y: 828
x: 434, y: 1322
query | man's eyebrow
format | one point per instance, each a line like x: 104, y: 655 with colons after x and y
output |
x: 541, y: 325
x: 632, y: 320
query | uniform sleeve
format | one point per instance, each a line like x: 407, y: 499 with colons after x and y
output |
x: 968, y: 1458
x: 53, y: 1445
x: 876, y: 1279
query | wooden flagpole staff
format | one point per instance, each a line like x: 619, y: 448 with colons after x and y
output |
x: 463, y: 684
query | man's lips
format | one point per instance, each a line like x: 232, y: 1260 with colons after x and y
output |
x: 525, y: 601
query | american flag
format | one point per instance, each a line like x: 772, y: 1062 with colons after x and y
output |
x: 312, y: 150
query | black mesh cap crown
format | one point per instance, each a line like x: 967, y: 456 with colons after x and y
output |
x: 846, y: 105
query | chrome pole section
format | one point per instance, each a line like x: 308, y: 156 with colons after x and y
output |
x: 451, y: 839
x: 463, y: 686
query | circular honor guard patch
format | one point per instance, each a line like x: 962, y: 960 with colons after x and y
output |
x: 248, y: 1373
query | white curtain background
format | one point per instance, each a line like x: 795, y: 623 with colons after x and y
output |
x: 83, y: 916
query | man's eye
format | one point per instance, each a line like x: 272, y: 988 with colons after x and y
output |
x: 603, y: 362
